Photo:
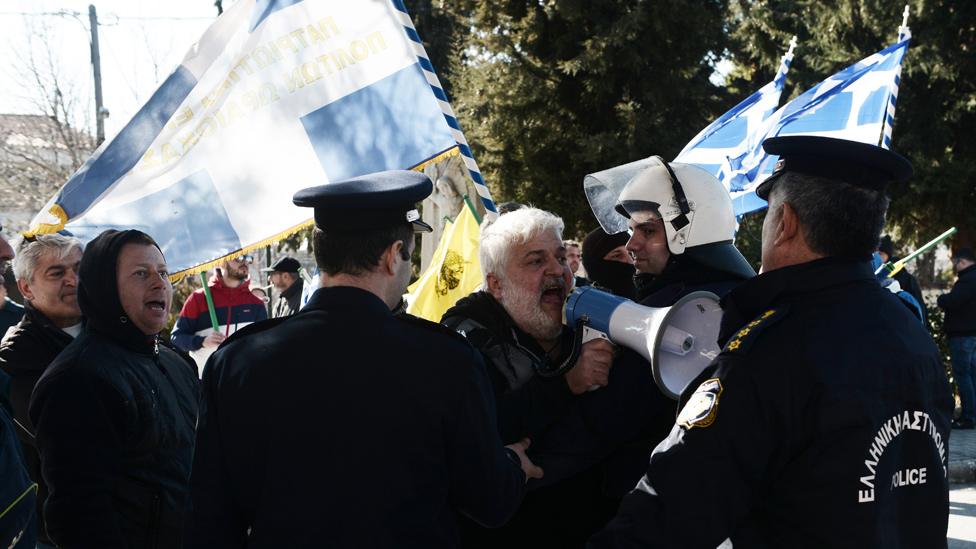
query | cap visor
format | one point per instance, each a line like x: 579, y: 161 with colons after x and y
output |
x: 420, y: 227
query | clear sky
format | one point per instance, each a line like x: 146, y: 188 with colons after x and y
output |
x: 140, y: 42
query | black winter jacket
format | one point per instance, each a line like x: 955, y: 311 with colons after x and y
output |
x: 811, y: 428
x: 115, y: 416
x: 290, y: 300
x: 528, y: 403
x: 560, y: 510
x: 24, y: 355
x: 960, y: 305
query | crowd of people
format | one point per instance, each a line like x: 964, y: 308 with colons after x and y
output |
x: 345, y: 422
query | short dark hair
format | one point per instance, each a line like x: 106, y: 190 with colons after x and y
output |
x: 964, y: 253
x: 357, y: 252
x: 839, y: 219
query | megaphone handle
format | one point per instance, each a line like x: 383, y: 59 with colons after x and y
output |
x: 589, y: 334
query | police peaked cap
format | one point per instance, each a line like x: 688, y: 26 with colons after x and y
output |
x: 371, y: 201
x: 852, y: 162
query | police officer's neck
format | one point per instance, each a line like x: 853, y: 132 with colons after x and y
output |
x: 787, y: 256
x: 375, y: 283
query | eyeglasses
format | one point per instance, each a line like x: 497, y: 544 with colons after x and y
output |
x: 247, y: 258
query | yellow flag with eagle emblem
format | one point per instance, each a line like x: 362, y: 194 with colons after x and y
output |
x: 454, y: 271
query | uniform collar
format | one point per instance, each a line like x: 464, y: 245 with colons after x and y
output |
x: 350, y: 299
x: 767, y: 290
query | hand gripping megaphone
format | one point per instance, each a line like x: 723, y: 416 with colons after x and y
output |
x: 679, y: 341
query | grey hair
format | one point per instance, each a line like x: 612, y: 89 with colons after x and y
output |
x: 29, y: 251
x: 513, y: 229
x: 838, y: 219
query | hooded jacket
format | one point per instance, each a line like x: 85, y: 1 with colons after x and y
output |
x: 115, y: 415
x: 24, y: 355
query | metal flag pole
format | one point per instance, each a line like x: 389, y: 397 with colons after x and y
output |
x: 435, y: 86
x: 904, y: 33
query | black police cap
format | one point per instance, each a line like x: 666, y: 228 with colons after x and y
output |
x: 283, y: 265
x: 858, y: 164
x: 371, y: 201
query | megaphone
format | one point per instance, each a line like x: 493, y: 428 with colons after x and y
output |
x: 679, y: 341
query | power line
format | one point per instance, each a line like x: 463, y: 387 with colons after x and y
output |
x: 112, y: 15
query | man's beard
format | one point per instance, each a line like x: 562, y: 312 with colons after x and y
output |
x: 235, y: 274
x: 525, y: 308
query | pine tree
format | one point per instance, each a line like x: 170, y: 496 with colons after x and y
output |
x: 936, y: 107
x: 548, y: 91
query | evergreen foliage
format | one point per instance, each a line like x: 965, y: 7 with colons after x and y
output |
x: 936, y: 107
x: 548, y: 91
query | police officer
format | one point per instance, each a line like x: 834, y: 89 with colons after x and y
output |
x: 343, y: 425
x: 681, y: 227
x: 824, y: 421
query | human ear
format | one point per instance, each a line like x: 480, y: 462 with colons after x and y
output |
x: 25, y: 289
x: 494, y: 285
x: 787, y: 224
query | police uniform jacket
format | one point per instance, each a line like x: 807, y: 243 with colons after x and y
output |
x: 824, y: 422
x: 346, y: 426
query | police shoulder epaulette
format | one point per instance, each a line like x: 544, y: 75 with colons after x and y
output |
x: 748, y: 334
x: 431, y: 326
x: 253, y: 328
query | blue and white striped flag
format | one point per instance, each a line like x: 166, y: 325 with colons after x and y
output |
x: 728, y: 136
x: 852, y: 104
x: 276, y: 96
x: 904, y: 33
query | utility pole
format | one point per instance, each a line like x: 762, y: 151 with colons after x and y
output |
x: 100, y: 111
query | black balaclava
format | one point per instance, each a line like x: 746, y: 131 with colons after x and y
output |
x: 613, y: 275
x: 98, y: 289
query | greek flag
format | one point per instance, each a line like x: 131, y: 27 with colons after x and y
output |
x: 276, y: 96
x: 728, y: 136
x: 852, y: 104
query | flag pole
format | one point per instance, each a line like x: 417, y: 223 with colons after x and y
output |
x: 893, y: 268
x: 884, y: 140
x: 435, y: 84
x: 210, y: 305
x: 474, y: 212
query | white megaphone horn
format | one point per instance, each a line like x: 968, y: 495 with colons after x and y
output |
x: 679, y: 341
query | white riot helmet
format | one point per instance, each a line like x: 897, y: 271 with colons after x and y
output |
x: 695, y: 208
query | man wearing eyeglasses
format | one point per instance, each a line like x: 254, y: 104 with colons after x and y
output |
x: 234, y: 304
